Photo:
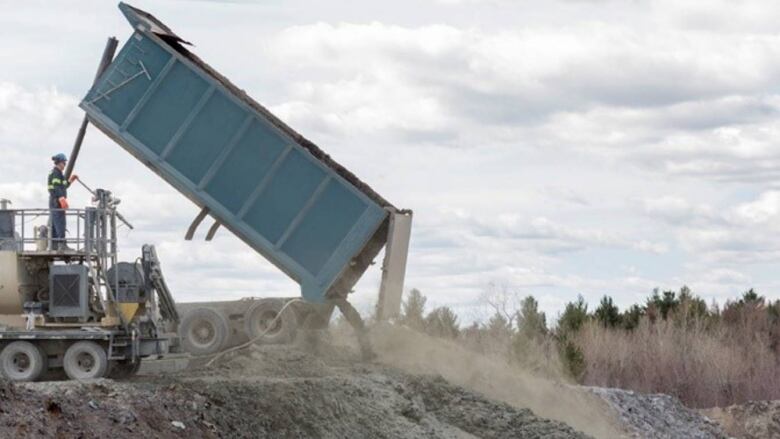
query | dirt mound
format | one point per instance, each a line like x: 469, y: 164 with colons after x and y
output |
x: 752, y: 420
x: 657, y: 416
x: 417, y: 353
x: 270, y: 391
x: 478, y: 416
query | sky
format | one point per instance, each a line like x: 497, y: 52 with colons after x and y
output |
x: 549, y: 148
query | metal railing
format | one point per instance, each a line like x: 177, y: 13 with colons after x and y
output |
x: 91, y: 232
x: 90, y: 238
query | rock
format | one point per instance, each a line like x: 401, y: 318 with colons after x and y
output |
x: 657, y: 416
x: 415, y: 409
x: 178, y: 425
x: 126, y: 417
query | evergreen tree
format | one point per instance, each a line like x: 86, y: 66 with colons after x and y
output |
x: 531, y: 323
x: 662, y: 304
x: 631, y: 317
x: 498, y: 326
x: 752, y: 298
x: 691, y: 308
x: 574, y: 316
x: 413, y: 310
x: 607, y: 313
x: 442, y: 322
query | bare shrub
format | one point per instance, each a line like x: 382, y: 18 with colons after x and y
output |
x: 704, y: 365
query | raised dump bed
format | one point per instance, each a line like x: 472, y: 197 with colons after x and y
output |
x: 256, y: 176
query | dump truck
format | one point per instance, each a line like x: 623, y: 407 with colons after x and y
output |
x: 76, y: 309
x: 255, y: 177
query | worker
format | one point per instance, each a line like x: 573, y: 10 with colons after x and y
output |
x: 58, y: 201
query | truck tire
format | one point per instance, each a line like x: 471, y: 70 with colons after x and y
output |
x: 262, y: 313
x: 22, y: 361
x: 123, y: 369
x: 203, y: 331
x: 85, y: 360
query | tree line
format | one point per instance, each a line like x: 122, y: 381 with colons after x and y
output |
x: 672, y: 342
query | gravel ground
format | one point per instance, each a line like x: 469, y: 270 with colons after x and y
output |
x: 271, y: 391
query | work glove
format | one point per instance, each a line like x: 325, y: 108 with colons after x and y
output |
x: 73, y: 178
x: 63, y: 203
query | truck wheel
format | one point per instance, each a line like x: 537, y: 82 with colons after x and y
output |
x: 203, y: 331
x: 85, y: 360
x: 262, y: 314
x: 22, y: 361
x: 123, y: 369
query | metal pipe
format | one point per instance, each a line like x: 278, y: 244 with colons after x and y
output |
x: 195, y: 223
x: 105, y: 61
x: 213, y: 230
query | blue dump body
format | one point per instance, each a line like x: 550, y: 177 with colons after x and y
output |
x: 260, y: 179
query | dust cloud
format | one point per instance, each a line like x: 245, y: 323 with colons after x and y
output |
x: 417, y: 353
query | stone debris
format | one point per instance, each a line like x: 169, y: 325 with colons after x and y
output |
x: 657, y: 416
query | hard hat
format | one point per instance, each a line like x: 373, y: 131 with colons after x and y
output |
x: 60, y: 158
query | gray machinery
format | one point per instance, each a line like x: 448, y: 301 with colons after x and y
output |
x: 78, y: 311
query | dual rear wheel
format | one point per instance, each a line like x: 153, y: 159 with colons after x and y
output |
x: 83, y: 360
x: 264, y: 322
x: 22, y: 361
x: 205, y: 331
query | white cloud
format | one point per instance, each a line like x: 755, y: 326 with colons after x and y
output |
x: 766, y: 209
x: 578, y: 146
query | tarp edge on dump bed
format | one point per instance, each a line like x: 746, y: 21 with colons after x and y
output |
x: 138, y: 17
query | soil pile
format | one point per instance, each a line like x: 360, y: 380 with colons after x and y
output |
x: 495, y: 378
x: 270, y: 391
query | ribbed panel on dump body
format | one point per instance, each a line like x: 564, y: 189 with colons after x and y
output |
x: 271, y: 187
